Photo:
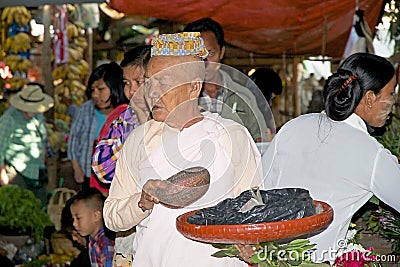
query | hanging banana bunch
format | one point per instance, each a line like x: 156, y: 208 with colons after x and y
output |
x: 18, y: 14
x: 18, y: 63
x: 17, y: 45
x: 21, y: 42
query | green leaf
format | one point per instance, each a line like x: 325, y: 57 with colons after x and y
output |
x: 220, y: 254
x: 256, y: 258
x: 222, y: 246
x: 374, y: 200
x: 297, y: 243
x: 311, y: 264
x: 307, y: 247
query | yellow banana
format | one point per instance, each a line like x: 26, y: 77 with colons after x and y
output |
x: 72, y: 31
x: 10, y: 15
x: 5, y: 13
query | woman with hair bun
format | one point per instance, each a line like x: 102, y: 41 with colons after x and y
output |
x: 332, y: 153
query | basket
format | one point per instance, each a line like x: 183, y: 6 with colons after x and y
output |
x: 57, y: 203
x: 61, y: 245
x: 257, y: 232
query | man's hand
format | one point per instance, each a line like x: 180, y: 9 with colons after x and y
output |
x: 147, y: 201
x: 79, y: 175
x: 245, y: 252
x: 4, y: 179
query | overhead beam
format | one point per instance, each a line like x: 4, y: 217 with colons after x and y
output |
x: 254, y: 62
x: 35, y: 3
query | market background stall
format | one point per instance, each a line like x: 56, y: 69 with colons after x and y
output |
x: 275, y: 34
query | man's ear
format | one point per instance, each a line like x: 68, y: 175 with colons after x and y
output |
x: 195, y: 88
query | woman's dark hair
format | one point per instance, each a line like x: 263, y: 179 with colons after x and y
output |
x: 67, y: 222
x: 112, y: 75
x: 268, y: 81
x: 207, y: 24
x: 138, y: 56
x: 356, y: 75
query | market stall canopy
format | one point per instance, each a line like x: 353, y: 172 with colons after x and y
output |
x: 35, y: 3
x: 271, y: 27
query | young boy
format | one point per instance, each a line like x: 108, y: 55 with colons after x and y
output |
x: 87, y: 213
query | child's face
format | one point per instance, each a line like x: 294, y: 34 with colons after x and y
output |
x: 85, y: 219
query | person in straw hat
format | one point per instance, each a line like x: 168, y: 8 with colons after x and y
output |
x: 23, y: 137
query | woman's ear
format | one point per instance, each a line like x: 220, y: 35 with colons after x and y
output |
x: 195, y: 86
x: 370, y: 99
x: 365, y: 106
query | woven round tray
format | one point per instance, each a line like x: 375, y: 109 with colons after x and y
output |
x: 256, y: 232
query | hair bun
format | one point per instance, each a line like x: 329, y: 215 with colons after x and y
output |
x: 339, y: 94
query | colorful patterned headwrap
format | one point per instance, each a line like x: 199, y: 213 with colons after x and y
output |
x: 179, y: 44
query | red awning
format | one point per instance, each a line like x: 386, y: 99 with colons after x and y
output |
x: 274, y: 27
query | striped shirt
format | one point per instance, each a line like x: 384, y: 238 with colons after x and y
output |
x: 82, y: 136
x: 107, y: 150
x: 214, y: 105
x: 101, y: 250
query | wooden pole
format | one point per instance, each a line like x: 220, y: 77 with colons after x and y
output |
x: 46, y: 57
x: 51, y: 162
x: 89, y: 59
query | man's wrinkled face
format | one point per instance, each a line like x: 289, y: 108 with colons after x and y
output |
x: 166, y: 86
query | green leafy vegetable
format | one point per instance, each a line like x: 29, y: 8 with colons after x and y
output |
x: 269, y: 254
x: 21, y: 211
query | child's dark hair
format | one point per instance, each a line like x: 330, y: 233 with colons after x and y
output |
x: 92, y: 197
x: 137, y: 56
x: 358, y: 73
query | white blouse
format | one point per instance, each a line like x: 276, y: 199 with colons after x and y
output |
x: 339, y: 163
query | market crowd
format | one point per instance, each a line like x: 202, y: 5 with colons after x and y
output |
x: 172, y: 106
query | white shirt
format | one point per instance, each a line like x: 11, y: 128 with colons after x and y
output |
x: 339, y: 163
x: 156, y: 151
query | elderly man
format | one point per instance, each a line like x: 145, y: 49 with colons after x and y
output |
x: 178, y: 137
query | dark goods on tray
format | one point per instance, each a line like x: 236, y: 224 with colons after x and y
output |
x: 255, y: 206
x: 257, y: 216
